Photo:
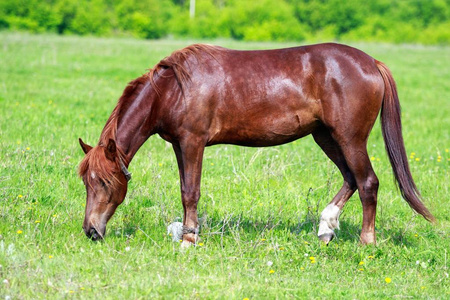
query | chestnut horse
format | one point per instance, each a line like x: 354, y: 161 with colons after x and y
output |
x: 204, y: 95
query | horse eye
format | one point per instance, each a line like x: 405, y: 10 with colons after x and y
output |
x: 102, y: 183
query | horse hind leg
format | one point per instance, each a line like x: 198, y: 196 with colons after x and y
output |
x: 367, y: 184
x: 329, y: 218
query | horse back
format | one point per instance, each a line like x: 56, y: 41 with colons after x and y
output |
x: 270, y: 97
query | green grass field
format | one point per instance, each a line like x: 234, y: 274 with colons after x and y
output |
x: 260, y: 206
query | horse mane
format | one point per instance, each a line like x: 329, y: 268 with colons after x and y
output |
x: 178, y: 61
x: 95, y: 159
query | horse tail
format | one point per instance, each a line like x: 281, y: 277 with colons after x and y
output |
x: 391, y: 127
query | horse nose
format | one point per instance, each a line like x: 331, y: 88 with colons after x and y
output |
x: 92, y: 234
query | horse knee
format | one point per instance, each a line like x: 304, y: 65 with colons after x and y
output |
x: 190, y: 198
x: 370, y: 188
x: 371, y: 184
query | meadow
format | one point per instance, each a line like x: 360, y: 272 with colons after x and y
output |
x: 260, y: 207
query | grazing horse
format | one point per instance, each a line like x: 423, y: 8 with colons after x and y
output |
x: 204, y: 95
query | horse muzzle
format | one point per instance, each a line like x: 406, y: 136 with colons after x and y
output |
x: 93, y: 234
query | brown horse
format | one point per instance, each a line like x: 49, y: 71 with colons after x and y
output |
x: 204, y: 95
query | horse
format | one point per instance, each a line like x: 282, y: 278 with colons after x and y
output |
x: 204, y: 95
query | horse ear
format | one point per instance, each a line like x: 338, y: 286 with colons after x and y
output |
x: 86, y: 148
x: 111, y: 150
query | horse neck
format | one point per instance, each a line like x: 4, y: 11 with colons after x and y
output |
x: 136, y: 123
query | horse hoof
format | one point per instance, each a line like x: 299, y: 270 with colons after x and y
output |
x: 185, y: 244
x: 326, y: 237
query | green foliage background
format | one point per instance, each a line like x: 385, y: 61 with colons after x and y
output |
x: 399, y: 21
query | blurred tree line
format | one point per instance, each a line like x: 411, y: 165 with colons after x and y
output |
x: 411, y: 21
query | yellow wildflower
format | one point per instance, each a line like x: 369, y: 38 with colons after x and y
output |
x: 361, y: 263
x: 37, y: 221
x: 50, y: 256
x: 271, y: 271
x: 200, y: 244
x: 20, y: 196
x: 388, y: 280
x: 19, y: 231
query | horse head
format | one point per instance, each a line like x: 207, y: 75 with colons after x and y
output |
x: 106, y: 177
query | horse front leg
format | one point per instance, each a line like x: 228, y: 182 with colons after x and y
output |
x: 189, y: 159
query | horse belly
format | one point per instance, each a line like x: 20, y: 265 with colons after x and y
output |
x: 270, y: 129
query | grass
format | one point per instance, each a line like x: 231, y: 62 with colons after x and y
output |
x: 260, y: 206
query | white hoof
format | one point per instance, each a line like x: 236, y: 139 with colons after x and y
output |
x: 326, y: 238
x: 329, y: 220
x: 186, y: 244
x: 324, y: 229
